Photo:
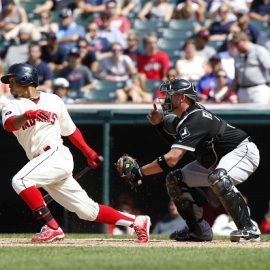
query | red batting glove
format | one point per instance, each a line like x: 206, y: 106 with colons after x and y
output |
x: 40, y: 115
x: 93, y: 159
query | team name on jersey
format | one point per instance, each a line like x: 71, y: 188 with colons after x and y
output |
x: 32, y: 122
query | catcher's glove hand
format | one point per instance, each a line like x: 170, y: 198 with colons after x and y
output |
x: 129, y: 169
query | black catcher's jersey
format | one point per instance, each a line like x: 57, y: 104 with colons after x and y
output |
x: 206, y: 135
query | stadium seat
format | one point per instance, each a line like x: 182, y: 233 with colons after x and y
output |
x: 169, y: 44
x: 176, y: 34
x: 262, y: 26
x: 181, y: 25
x: 106, y: 85
x: 99, y: 96
x: 215, y: 44
x: 152, y: 86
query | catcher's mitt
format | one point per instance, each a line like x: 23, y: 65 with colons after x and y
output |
x: 129, y: 169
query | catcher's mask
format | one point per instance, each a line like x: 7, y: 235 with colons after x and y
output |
x: 173, y: 87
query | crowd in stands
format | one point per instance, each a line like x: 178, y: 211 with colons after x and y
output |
x: 223, y: 47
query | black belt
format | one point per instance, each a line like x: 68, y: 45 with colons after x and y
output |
x: 248, y: 86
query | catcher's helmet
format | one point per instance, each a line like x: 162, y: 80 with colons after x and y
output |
x: 25, y: 74
x: 177, y: 86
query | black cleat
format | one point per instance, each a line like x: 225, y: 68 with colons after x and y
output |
x: 187, y: 236
x: 245, y: 235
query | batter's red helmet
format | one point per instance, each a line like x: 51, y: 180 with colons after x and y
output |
x: 25, y: 74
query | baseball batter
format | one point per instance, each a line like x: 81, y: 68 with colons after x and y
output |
x: 224, y: 157
x: 38, y: 120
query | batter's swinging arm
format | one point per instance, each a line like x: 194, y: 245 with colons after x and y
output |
x: 48, y: 199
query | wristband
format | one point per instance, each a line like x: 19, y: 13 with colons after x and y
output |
x: 163, y: 164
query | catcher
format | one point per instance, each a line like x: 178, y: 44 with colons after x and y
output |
x: 225, y: 156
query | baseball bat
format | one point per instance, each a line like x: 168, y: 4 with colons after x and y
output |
x: 48, y: 199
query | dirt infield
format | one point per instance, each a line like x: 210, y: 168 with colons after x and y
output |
x: 98, y: 242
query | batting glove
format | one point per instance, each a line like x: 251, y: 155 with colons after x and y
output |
x: 93, y: 159
x: 40, y: 115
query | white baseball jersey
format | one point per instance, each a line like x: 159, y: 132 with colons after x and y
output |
x: 35, y: 135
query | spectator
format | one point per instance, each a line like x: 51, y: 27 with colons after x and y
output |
x: 252, y: 70
x: 46, y: 25
x: 264, y: 37
x: 260, y: 10
x: 209, y: 80
x: 61, y: 89
x: 159, y: 10
x: 79, y: 77
x: 234, y: 6
x: 117, y: 21
x: 190, y: 10
x: 88, y: 57
x: 132, y: 50
x: 190, y: 66
x: 118, y: 67
x: 11, y: 16
x: 219, y: 29
x: 171, y: 222
x: 90, y: 6
x: 203, y: 50
x: 134, y: 91
x: 130, y: 8
x: 227, y: 58
x: 125, y: 203
x: 153, y: 63
x: 265, y: 224
x: 54, y: 55
x: 110, y: 33
x: 97, y: 44
x: 46, y: 6
x: 44, y: 72
x: 18, y: 52
x: 5, y: 95
x: 69, y: 31
x: 244, y: 24
x: 221, y: 93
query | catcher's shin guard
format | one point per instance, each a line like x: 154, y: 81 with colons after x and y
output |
x: 189, y: 202
x: 231, y: 199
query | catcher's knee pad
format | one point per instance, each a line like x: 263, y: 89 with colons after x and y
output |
x: 220, y: 182
x: 174, y: 184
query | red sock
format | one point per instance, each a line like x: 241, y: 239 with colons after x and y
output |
x: 108, y: 215
x: 33, y: 198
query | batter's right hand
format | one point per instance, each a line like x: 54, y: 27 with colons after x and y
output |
x: 93, y: 159
x: 155, y: 117
x: 40, y: 115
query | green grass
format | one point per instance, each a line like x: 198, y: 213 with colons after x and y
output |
x: 132, y: 257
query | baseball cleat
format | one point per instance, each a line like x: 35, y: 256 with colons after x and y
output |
x: 48, y: 234
x: 246, y: 235
x: 141, y: 227
x: 187, y: 236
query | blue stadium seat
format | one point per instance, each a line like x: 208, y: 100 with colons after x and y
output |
x: 177, y: 34
x: 181, y: 24
x: 99, y: 96
x: 169, y: 44
x: 106, y: 85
